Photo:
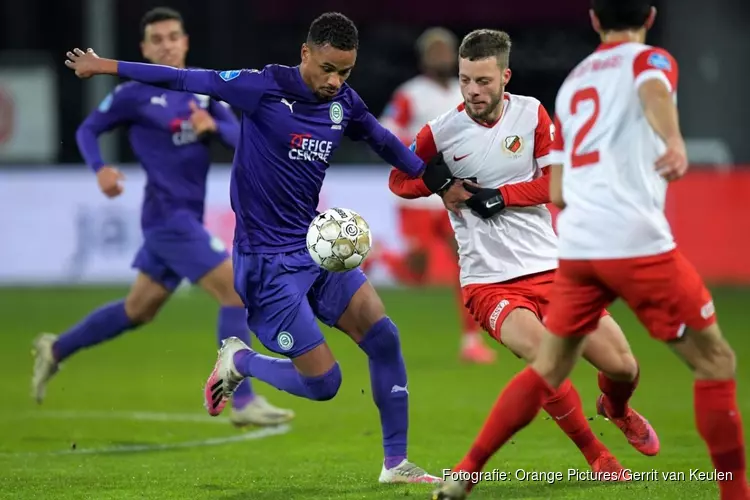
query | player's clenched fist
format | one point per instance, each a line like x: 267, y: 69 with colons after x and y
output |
x: 110, y: 181
x: 85, y: 64
x: 201, y: 120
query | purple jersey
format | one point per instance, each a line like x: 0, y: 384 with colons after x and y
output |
x: 288, y: 136
x: 175, y: 159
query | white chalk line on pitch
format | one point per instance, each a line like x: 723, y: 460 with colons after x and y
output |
x: 142, y: 416
x: 152, y: 417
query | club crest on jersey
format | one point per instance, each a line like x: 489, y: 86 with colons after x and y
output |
x: 229, y: 75
x: 285, y: 341
x: 336, y: 112
x: 659, y: 61
x: 513, y: 144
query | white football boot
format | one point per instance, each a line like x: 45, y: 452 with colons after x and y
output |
x: 224, y: 378
x: 260, y: 412
x: 45, y: 365
x: 406, y: 472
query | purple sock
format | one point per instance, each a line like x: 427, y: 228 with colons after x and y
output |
x: 281, y: 374
x: 389, y: 387
x: 233, y: 323
x: 105, y: 323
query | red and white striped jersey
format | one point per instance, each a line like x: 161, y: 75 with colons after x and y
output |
x: 414, y: 103
x: 614, y: 197
x: 518, y: 241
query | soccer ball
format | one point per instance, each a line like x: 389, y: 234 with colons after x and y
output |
x: 338, y: 239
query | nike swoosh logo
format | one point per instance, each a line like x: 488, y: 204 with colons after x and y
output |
x: 459, y: 158
x: 493, y: 204
x: 563, y: 416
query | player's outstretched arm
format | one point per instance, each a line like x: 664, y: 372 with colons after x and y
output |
x: 241, y: 89
x: 385, y: 144
x: 407, y: 187
x: 363, y: 126
x: 403, y: 186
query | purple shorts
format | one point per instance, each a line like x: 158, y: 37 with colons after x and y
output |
x: 284, y: 293
x: 180, y: 248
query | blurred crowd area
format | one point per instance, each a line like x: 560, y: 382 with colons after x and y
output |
x: 710, y: 41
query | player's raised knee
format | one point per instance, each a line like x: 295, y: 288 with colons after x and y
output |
x: 145, y: 299
x: 382, y: 341
x: 625, y: 367
x: 717, y: 362
x: 326, y: 386
x: 141, y: 310
x: 708, y: 354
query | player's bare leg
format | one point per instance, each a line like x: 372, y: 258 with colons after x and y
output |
x: 365, y: 321
x: 248, y: 408
x: 518, y: 404
x: 143, y: 302
x: 608, y: 350
x: 521, y: 332
x: 712, y: 361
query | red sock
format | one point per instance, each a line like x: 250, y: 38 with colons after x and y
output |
x: 720, y: 425
x: 566, y: 408
x: 516, y: 407
x: 468, y: 323
x: 617, y: 394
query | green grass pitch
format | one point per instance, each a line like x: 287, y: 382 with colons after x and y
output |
x: 132, y: 409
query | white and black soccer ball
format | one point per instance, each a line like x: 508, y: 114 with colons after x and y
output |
x: 339, y: 239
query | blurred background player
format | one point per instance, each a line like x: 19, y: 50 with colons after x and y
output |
x: 170, y: 132
x: 424, y: 222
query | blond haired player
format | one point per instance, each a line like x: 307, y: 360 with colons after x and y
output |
x: 617, y: 145
x: 507, y: 247
x: 424, y: 222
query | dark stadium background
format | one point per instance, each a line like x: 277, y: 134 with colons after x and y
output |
x: 709, y: 39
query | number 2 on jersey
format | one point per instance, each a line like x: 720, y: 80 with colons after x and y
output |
x: 592, y: 157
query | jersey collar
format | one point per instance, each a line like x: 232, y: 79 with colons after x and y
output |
x: 609, y: 45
